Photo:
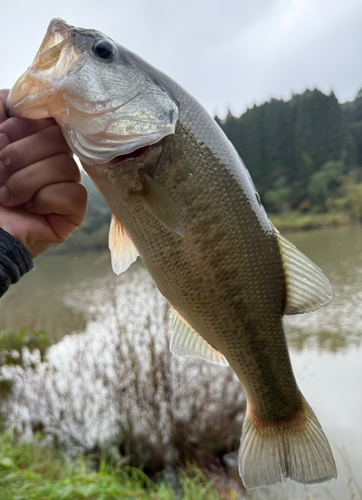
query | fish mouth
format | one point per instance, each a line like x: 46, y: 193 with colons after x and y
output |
x: 33, y: 96
x: 65, y: 82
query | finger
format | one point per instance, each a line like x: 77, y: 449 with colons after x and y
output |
x: 64, y: 198
x: 22, y: 186
x: 3, y: 98
x: 14, y: 129
x: 32, y: 149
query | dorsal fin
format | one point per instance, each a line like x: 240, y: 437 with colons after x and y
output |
x: 185, y: 341
x: 308, y: 288
x: 123, y: 251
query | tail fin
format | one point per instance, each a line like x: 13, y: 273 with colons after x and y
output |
x: 271, y: 452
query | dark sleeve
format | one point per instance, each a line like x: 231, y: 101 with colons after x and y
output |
x: 15, y: 261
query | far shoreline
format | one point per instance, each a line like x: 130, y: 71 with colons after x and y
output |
x: 294, y: 220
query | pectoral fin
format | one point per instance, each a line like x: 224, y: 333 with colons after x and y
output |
x: 158, y: 201
x: 123, y: 251
x: 186, y: 342
x: 307, y: 286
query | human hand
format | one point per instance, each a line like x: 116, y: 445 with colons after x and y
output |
x: 41, y: 199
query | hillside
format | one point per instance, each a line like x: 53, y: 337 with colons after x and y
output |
x: 299, y: 151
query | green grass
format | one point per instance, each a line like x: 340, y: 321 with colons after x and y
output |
x: 296, y: 220
x: 32, y: 471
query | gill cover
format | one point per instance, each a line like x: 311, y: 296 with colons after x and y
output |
x: 102, y: 95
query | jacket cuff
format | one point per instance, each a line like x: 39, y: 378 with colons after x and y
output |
x: 15, y: 261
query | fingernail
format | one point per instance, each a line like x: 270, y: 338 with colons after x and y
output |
x: 2, y: 171
x: 4, y: 194
x: 4, y: 141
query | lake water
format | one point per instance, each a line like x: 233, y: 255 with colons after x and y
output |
x: 326, y: 345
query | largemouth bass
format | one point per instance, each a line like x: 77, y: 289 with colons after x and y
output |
x: 183, y: 200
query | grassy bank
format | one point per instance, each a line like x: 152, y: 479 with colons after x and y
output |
x: 297, y: 221
x: 30, y: 471
x: 33, y: 471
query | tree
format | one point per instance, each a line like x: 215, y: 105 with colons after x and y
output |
x: 324, y: 184
x: 284, y: 144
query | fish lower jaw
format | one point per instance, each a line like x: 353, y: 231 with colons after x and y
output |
x: 35, y: 99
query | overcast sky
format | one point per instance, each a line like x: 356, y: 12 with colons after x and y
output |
x: 227, y: 53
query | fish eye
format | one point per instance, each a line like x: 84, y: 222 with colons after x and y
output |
x: 103, y: 49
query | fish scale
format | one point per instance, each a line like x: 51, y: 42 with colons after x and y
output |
x: 238, y: 276
x: 183, y: 200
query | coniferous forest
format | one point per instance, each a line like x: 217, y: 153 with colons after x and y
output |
x: 303, y: 154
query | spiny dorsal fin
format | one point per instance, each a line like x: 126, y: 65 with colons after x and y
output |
x: 186, y: 342
x: 123, y: 251
x: 161, y: 205
x: 308, y: 288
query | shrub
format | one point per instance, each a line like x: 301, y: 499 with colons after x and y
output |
x: 117, y: 386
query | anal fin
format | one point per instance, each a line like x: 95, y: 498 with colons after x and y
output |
x: 308, y: 288
x: 123, y: 251
x: 185, y: 341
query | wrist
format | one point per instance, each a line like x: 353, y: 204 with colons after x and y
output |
x: 10, y: 228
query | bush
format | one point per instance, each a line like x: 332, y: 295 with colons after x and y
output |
x: 325, y: 183
x: 118, y: 387
x: 13, y: 347
x: 354, y: 200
